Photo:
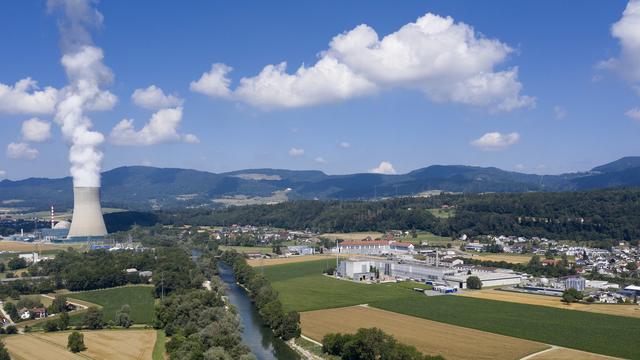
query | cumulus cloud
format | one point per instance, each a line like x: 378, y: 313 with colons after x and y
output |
x: 447, y: 61
x: 24, y: 97
x: 190, y: 138
x: 154, y: 98
x: 385, y: 167
x: 36, y: 130
x: 559, y: 112
x: 214, y: 83
x: 320, y: 160
x: 627, y: 31
x: 496, y: 141
x: 162, y: 127
x: 344, y: 145
x: 295, y: 152
x: 21, y: 151
x: 633, y: 113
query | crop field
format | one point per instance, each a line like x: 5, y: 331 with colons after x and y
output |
x: 430, y: 337
x: 248, y: 249
x: 101, y: 345
x: 352, y: 236
x: 291, y: 260
x: 443, y: 213
x: 591, y: 332
x: 551, y: 301
x: 510, y: 258
x: 569, y: 354
x: 139, y: 298
x: 302, y: 287
x: 20, y: 246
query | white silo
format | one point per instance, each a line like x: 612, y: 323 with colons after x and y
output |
x: 87, y: 220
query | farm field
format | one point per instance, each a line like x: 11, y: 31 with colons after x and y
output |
x: 291, y: 260
x: 28, y: 247
x: 532, y: 299
x: 430, y: 337
x: 248, y: 249
x: 569, y: 354
x: 302, y: 287
x: 443, y: 213
x: 431, y: 239
x: 138, y: 297
x: 510, y: 258
x: 354, y: 236
x: 103, y: 344
x: 571, y: 329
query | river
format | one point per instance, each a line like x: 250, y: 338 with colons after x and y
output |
x: 260, y: 339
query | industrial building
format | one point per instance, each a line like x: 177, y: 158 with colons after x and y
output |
x: 87, y: 222
x: 365, y: 269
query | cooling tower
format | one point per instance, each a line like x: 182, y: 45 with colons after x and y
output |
x: 87, y: 218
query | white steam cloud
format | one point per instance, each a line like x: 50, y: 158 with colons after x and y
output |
x: 87, y: 75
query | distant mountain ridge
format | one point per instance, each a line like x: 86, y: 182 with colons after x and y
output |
x: 142, y: 187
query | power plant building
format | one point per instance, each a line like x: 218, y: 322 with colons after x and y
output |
x: 87, y: 222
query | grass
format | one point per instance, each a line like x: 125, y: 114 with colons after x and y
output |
x: 159, y: 347
x: 139, y: 298
x: 443, y: 213
x: 248, y: 249
x: 431, y: 239
x: 302, y: 287
x: 604, y: 334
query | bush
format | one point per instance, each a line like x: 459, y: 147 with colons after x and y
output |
x: 93, y: 319
x: 11, y: 329
x: 51, y: 325
x: 75, y: 342
x: 4, y: 354
x: 17, y: 263
x: 473, y: 282
x: 572, y: 295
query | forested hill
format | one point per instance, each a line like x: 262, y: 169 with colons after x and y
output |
x: 589, y: 215
x: 144, y: 188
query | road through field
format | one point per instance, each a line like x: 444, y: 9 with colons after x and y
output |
x: 551, y: 301
x: 430, y: 337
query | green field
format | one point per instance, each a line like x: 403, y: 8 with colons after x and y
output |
x: 248, y: 249
x: 431, y: 239
x: 443, y: 213
x: 139, y: 298
x: 302, y: 287
x: 159, y: 348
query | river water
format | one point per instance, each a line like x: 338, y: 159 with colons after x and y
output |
x: 260, y: 339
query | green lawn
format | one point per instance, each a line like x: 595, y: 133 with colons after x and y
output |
x: 302, y: 288
x: 159, y: 347
x: 139, y: 298
x: 443, y: 213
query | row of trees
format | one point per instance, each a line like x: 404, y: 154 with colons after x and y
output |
x: 285, y: 325
x: 197, y: 321
x: 371, y: 344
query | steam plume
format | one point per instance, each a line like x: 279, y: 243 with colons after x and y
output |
x: 87, y: 74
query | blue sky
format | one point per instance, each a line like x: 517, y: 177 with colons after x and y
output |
x: 574, y: 118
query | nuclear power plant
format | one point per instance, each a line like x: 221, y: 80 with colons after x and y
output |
x: 87, y: 221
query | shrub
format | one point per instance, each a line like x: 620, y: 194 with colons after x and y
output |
x: 473, y: 282
x: 75, y: 342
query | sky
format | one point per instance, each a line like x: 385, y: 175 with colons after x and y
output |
x: 369, y: 86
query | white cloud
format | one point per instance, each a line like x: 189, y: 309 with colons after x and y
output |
x: 162, y: 127
x: 385, y: 167
x: 21, y: 151
x: 295, y: 152
x: 3, y: 174
x: 344, y: 145
x: 190, y: 138
x: 154, y: 98
x: 559, y: 112
x: 320, y: 160
x: 520, y: 167
x: 447, y: 61
x: 214, y: 83
x: 24, y: 97
x: 36, y: 130
x: 496, y: 141
x: 627, y: 31
x: 633, y: 113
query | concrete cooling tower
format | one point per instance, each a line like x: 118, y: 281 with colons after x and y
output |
x: 87, y: 218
